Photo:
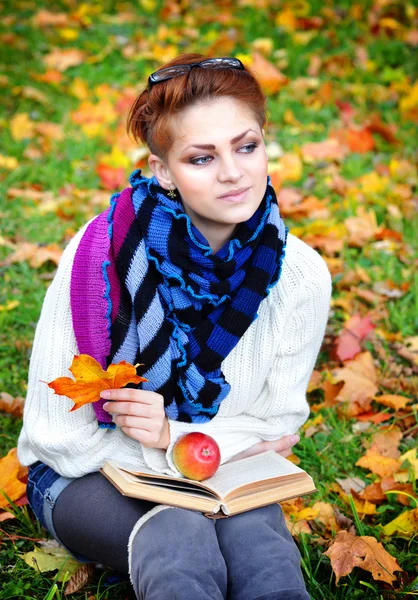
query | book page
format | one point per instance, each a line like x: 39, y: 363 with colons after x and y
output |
x: 261, y: 467
x: 230, y: 476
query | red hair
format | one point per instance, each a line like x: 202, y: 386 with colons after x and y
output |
x: 149, y: 116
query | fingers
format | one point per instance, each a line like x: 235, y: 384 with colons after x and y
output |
x: 132, y: 395
x: 135, y: 409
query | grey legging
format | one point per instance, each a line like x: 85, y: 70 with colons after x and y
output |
x: 181, y: 554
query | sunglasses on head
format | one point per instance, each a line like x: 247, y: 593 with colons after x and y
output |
x: 209, y: 63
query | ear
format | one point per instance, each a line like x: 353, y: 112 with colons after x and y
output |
x: 160, y: 170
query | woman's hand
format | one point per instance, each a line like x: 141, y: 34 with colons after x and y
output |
x: 140, y: 414
x: 282, y: 446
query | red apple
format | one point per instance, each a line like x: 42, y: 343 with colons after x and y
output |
x: 196, y: 455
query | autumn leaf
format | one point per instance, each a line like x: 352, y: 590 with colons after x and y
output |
x: 393, y: 401
x: 405, y: 525
x: 270, y: 78
x: 361, y: 228
x: 348, y: 342
x: 360, y: 383
x: 349, y: 551
x: 63, y: 59
x: 13, y: 406
x: 111, y: 178
x: 330, y: 149
x: 379, y: 464
x: 11, y: 473
x: 34, y: 254
x: 52, y: 557
x: 21, y: 127
x: 91, y: 379
x: 387, y: 440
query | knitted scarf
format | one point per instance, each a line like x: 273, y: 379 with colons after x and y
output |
x: 147, y: 288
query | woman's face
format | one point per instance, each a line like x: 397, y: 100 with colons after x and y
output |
x: 218, y: 163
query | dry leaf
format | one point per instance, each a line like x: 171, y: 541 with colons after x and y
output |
x: 330, y: 149
x: 91, y: 379
x: 347, y: 344
x: 386, y: 441
x: 349, y: 551
x: 111, y: 178
x: 79, y: 579
x: 21, y: 127
x: 62, y: 59
x: 360, y: 383
x: 361, y: 228
x: 270, y: 78
x: 378, y: 464
x: 34, y: 254
x: 13, y: 406
x: 11, y: 472
x: 351, y: 484
x: 52, y: 557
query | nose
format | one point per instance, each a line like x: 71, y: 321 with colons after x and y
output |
x: 229, y: 169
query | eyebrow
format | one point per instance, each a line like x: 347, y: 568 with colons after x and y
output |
x: 212, y: 147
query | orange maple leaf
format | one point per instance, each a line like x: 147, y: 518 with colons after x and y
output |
x: 349, y: 551
x: 91, y: 379
x: 10, y: 474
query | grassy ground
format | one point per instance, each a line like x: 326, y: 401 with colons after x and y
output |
x: 366, y: 59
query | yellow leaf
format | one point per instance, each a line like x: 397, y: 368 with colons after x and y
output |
x: 68, y: 34
x: 79, y: 88
x: 393, y: 401
x: 115, y: 159
x: 10, y: 305
x: 286, y: 19
x: 21, y: 127
x: 10, y: 474
x: 411, y: 457
x: 364, y: 507
x: 406, y: 525
x: 52, y: 558
x: 379, y: 464
x: 290, y: 167
x: 8, y: 162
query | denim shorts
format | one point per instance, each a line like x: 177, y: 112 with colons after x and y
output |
x: 43, y: 488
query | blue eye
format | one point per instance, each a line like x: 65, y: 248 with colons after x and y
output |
x: 248, y: 149
x: 194, y: 161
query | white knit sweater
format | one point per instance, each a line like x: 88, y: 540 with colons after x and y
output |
x: 268, y: 370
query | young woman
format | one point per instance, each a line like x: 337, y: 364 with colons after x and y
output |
x: 191, y: 273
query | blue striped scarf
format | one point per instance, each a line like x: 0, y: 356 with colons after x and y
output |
x: 168, y: 301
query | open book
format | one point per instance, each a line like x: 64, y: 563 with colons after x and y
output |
x: 236, y: 487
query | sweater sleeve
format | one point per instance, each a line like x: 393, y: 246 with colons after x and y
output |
x: 71, y: 443
x: 281, y: 408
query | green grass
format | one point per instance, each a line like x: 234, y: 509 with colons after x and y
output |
x: 326, y: 455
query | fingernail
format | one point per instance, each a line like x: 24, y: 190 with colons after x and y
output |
x: 105, y: 394
x: 105, y: 406
x: 294, y: 439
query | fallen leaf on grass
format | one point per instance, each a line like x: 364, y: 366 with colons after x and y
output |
x: 347, y: 344
x: 52, y: 558
x: 351, y: 484
x: 91, y: 379
x: 330, y: 149
x: 11, y: 473
x: 62, y: 59
x: 34, y: 254
x: 361, y: 228
x: 405, y: 525
x: 270, y: 78
x: 393, y: 401
x: 79, y: 579
x: 13, y: 406
x: 411, y: 457
x: 5, y: 516
x: 111, y: 178
x: 360, y: 384
x: 21, y: 127
x: 349, y: 551
x: 386, y: 441
x: 379, y: 464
